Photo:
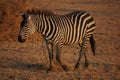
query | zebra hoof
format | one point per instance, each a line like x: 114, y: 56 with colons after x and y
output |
x: 65, y: 67
x: 86, y: 65
x: 76, y: 66
x: 49, y: 69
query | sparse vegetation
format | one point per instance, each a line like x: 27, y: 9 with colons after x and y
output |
x: 29, y: 61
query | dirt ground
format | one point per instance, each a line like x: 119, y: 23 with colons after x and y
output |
x: 29, y: 61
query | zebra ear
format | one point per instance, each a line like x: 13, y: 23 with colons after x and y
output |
x: 21, y: 14
x: 29, y: 17
x: 24, y: 15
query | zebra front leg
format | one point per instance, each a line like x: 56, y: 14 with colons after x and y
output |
x: 59, y: 59
x: 50, y: 52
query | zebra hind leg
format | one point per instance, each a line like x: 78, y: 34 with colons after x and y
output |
x: 78, y: 61
x: 86, y: 61
x: 59, y: 59
x: 50, y: 51
x: 82, y: 52
x: 86, y: 40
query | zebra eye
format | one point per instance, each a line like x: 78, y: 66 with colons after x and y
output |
x: 25, y: 25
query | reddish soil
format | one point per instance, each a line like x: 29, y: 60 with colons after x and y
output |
x: 29, y: 61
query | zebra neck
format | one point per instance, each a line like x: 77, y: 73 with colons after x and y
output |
x: 45, y: 26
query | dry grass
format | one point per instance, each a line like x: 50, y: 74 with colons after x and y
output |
x: 29, y: 61
x: 10, y: 17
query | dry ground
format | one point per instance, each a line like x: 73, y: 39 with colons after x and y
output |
x: 29, y: 61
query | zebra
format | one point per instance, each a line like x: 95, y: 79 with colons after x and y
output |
x: 73, y: 28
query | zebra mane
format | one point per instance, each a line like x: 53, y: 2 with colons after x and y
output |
x: 40, y: 12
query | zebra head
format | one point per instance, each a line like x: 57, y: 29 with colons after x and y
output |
x: 27, y: 28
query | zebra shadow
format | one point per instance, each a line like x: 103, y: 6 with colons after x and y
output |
x: 26, y: 66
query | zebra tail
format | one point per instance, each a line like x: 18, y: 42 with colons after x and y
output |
x: 92, y: 42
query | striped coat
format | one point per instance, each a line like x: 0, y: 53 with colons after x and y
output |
x: 73, y: 28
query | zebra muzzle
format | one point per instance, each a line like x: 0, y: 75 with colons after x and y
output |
x: 20, y: 39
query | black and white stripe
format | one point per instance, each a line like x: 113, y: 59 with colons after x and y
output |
x: 73, y: 28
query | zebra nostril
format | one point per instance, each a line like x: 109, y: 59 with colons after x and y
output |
x: 20, y: 39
